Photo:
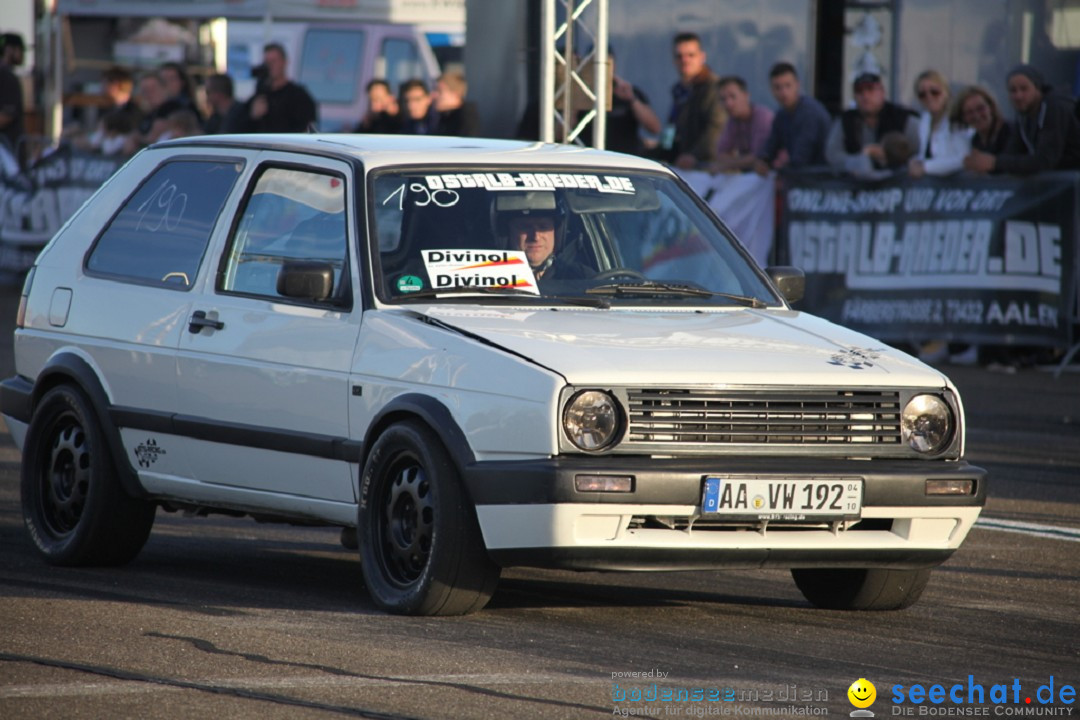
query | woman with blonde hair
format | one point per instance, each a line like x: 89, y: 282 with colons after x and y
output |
x: 943, y: 144
x: 976, y: 108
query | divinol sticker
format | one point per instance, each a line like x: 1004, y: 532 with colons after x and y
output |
x: 452, y: 269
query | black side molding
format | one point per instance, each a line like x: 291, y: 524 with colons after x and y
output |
x: 253, y: 436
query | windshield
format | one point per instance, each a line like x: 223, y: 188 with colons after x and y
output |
x: 527, y: 235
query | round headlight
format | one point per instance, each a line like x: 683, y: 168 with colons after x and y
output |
x: 926, y: 424
x: 591, y: 420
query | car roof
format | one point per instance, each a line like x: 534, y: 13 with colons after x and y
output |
x: 383, y: 150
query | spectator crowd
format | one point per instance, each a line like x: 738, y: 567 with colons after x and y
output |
x: 163, y: 104
x: 712, y: 124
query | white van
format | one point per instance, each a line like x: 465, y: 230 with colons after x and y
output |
x: 334, y: 61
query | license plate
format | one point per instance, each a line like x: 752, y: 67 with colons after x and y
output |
x: 782, y: 499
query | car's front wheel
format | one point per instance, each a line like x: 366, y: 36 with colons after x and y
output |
x: 861, y: 589
x: 73, y: 504
x: 420, y: 545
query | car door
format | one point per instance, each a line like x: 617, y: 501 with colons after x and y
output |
x: 263, y: 376
x: 128, y: 309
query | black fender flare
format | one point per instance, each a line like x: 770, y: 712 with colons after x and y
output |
x: 72, y: 369
x: 432, y: 413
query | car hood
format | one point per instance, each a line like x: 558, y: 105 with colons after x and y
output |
x: 743, y: 346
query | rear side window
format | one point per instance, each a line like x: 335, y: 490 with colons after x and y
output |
x: 160, y: 234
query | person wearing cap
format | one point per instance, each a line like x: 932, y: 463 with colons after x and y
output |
x: 12, y: 52
x: 1047, y: 134
x: 859, y: 138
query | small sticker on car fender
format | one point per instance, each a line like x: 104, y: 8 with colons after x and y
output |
x: 147, y: 453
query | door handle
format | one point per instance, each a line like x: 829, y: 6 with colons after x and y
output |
x: 199, y: 321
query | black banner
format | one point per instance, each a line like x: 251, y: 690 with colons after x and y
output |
x: 34, y: 204
x: 978, y: 260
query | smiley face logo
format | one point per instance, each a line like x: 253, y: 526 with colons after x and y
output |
x: 862, y: 693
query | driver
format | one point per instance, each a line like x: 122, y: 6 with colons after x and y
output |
x: 534, y: 232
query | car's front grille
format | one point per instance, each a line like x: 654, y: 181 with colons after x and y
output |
x: 680, y: 417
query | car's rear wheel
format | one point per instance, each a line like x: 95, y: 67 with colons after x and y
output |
x: 420, y: 545
x: 73, y: 504
x: 861, y: 589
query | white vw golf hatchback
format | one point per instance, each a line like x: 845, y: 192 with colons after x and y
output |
x: 473, y: 354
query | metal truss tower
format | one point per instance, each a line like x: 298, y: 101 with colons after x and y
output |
x: 570, y: 85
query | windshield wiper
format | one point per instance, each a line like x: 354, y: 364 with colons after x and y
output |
x: 515, y: 294
x: 480, y: 290
x: 655, y: 288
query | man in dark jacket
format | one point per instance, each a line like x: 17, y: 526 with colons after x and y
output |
x: 1046, y: 136
x: 697, y: 116
x: 859, y: 137
x: 799, y: 128
x: 280, y: 105
x: 383, y: 114
x: 418, y: 113
x: 228, y: 115
x: 11, y: 100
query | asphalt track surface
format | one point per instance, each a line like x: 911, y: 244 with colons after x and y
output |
x: 229, y: 618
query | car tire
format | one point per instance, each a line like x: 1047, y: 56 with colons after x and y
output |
x: 420, y: 544
x: 74, y: 507
x: 861, y: 589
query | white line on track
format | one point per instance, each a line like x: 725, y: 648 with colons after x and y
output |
x: 132, y: 687
x: 1026, y: 528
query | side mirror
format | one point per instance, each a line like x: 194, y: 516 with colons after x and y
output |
x: 306, y: 280
x: 790, y: 281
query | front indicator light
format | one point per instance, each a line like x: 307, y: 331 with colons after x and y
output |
x: 604, y: 483
x: 950, y: 487
x: 926, y: 424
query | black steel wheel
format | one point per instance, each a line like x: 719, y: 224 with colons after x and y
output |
x: 861, y: 589
x: 421, y: 548
x: 74, y: 507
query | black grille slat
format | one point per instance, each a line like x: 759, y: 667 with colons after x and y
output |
x: 751, y: 398
x: 816, y: 422
x: 732, y: 417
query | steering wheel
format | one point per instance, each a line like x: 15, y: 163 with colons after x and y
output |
x: 620, y: 272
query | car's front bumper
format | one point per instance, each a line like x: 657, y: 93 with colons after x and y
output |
x: 531, y: 514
